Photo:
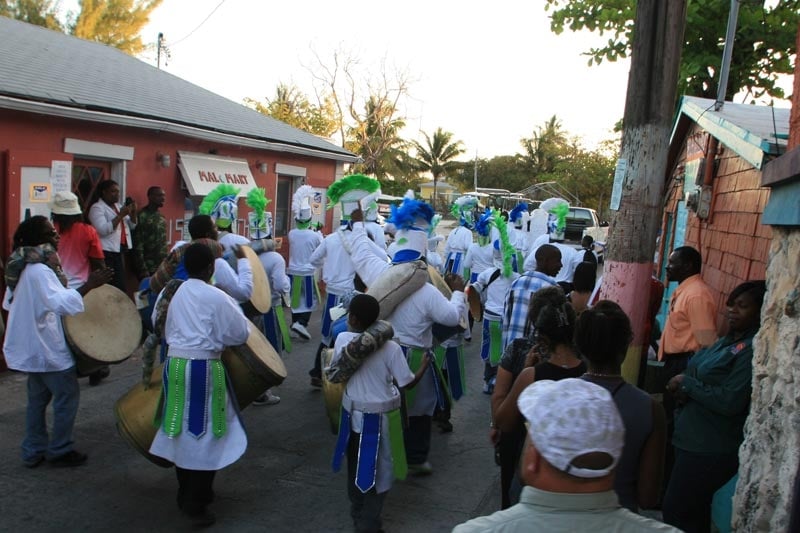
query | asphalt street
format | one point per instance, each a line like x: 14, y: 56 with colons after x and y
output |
x: 283, y: 482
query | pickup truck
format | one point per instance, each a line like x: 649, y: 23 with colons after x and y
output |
x: 583, y: 221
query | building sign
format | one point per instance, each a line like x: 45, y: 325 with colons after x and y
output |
x: 202, y: 173
x: 61, y: 176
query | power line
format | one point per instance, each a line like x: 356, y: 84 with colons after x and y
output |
x: 199, y: 25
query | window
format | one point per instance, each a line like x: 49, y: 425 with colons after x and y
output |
x: 86, y: 176
x: 283, y: 205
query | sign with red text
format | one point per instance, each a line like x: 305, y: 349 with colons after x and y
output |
x: 204, y: 172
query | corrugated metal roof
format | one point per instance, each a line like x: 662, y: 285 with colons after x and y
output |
x: 48, y: 66
x: 752, y: 131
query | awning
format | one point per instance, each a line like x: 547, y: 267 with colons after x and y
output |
x: 203, y: 172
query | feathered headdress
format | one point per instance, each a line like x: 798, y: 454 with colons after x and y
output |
x: 558, y: 209
x: 413, y: 219
x: 220, y: 204
x: 355, y: 191
x: 301, y: 205
x: 464, y: 210
x: 258, y: 220
x: 504, y: 246
x: 515, y: 215
x: 484, y: 224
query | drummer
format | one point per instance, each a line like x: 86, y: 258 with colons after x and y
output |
x: 221, y: 205
x: 459, y: 239
x: 413, y: 319
x: 36, y: 297
x: 302, y: 243
x: 200, y: 433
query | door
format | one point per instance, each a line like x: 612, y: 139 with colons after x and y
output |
x: 679, y: 218
x: 86, y: 176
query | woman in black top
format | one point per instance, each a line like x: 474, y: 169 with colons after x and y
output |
x: 550, y: 327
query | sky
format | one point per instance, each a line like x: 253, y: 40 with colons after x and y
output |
x: 489, y: 72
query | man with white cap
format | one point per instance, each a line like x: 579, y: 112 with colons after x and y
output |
x: 302, y: 243
x: 575, y: 440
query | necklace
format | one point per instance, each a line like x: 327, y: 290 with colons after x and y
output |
x: 598, y: 375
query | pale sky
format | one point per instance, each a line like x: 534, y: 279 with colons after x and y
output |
x: 489, y: 72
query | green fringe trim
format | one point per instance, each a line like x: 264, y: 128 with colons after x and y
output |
x: 505, y: 245
x: 176, y: 397
x: 218, y: 394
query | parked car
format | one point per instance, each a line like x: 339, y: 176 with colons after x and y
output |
x: 583, y: 221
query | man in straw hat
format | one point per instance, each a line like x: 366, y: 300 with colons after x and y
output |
x: 575, y: 440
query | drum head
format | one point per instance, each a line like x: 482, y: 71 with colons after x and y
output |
x: 253, y: 367
x: 474, y: 302
x: 262, y: 296
x: 108, y: 330
x: 438, y: 281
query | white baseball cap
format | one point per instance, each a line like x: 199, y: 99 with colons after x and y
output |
x: 571, y: 418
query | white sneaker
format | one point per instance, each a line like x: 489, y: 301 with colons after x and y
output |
x: 301, y: 330
x: 267, y: 399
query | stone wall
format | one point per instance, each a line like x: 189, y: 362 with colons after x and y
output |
x: 770, y: 453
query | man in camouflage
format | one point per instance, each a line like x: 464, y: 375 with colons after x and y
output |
x: 150, y: 237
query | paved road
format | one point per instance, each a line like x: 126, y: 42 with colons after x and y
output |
x: 283, y: 482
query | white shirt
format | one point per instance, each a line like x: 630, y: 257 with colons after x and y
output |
x: 101, y: 215
x: 275, y: 267
x: 569, y: 260
x: 239, y: 286
x: 230, y: 240
x: 413, y: 318
x: 337, y: 267
x: 202, y: 317
x: 375, y: 232
x: 458, y: 240
x: 302, y: 243
x: 34, y: 336
x: 479, y: 258
x: 493, y: 295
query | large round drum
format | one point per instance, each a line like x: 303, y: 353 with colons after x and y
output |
x: 135, y: 412
x: 107, y: 331
x: 331, y: 393
x: 253, y: 367
x: 262, y: 296
x: 438, y: 281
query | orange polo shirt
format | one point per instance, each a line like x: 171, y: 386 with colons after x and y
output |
x: 691, y: 322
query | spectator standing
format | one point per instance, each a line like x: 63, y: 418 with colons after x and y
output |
x: 113, y: 222
x: 36, y: 298
x: 150, y: 234
x: 575, y: 441
x: 713, y: 395
x: 603, y: 335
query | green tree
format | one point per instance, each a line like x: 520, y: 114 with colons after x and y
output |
x: 38, y: 12
x: 499, y: 172
x: 543, y: 151
x: 437, y: 156
x: 292, y: 106
x: 116, y: 23
x: 587, y: 174
x: 375, y: 137
x: 764, y: 46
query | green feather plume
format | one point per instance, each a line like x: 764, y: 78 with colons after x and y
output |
x: 350, y: 183
x: 257, y: 201
x: 505, y: 245
x: 208, y: 203
x: 561, y: 211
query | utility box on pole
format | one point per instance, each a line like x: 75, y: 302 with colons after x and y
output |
x: 638, y: 192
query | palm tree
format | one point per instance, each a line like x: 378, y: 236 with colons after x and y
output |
x: 543, y: 150
x: 438, y: 155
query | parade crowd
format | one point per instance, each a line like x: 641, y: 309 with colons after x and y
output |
x: 577, y: 446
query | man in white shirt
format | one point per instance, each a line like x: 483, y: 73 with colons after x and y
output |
x: 413, y: 319
x: 114, y: 222
x: 302, y: 243
x: 198, y: 432
x: 36, y: 299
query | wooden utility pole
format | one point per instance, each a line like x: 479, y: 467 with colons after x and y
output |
x: 638, y: 192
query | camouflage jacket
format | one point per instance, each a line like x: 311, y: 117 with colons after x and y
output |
x: 150, y: 242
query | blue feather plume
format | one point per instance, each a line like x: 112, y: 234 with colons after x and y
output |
x: 409, y: 212
x: 484, y: 223
x: 515, y: 213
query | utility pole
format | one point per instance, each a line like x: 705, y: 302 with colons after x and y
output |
x: 475, y: 174
x: 158, y: 53
x: 638, y: 191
